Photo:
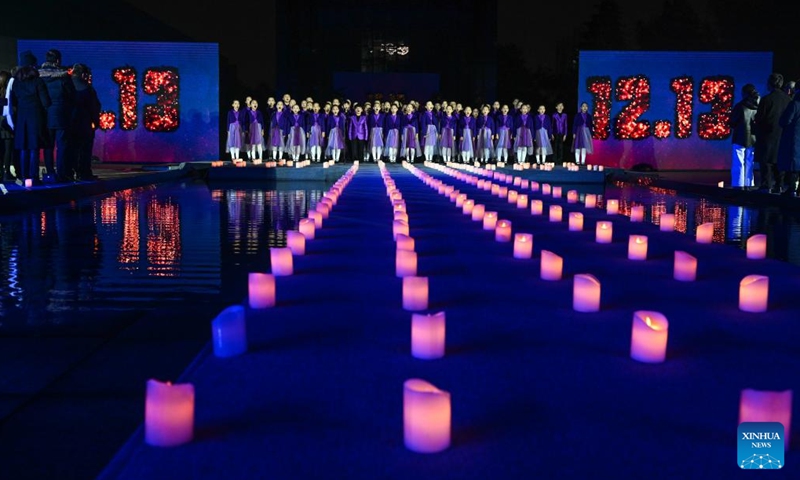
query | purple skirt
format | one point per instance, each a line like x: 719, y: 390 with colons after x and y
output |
x: 583, y: 139
x: 276, y: 138
x: 315, y: 137
x: 410, y: 140
x: 297, y: 138
x: 392, y: 140
x: 543, y: 141
x: 335, y: 140
x: 524, y: 140
x: 503, y: 138
x: 234, y: 137
x: 431, y: 135
x: 255, y: 134
x: 448, y: 139
x: 376, y: 138
x: 466, y: 141
x: 484, y: 140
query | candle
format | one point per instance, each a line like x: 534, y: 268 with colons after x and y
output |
x: 405, y: 263
x: 572, y: 196
x: 767, y: 406
x: 296, y: 242
x: 261, y: 290
x: 401, y: 216
x: 426, y: 417
x: 467, y: 207
x: 546, y: 189
x: 757, y: 247
x: 404, y: 242
x: 168, y: 413
x: 427, y: 335
x: 649, y: 336
x: 478, y: 212
x: 316, y: 217
x: 603, y: 232
x: 460, y: 199
x: 685, y: 267
x: 398, y: 227
x: 590, y: 200
x: 399, y: 207
x: 307, y: 228
x: 524, y: 184
x: 28, y: 182
x: 489, y: 220
x: 754, y: 293
x: 585, y: 293
x: 323, y: 209
x: 495, y: 189
x: 517, y: 181
x: 454, y: 196
x: 637, y: 247
x: 705, y: 232
x: 281, y: 261
x: 556, y: 213
x: 523, y: 245
x: 637, y: 213
x: 612, y: 206
x: 667, y: 222
x: 551, y: 266
x: 415, y: 293
x: 512, y: 196
x: 575, y: 221
x: 556, y: 192
x: 534, y: 186
x: 229, y: 332
x: 502, y: 192
x: 502, y: 231
x: 537, y: 206
x: 522, y: 200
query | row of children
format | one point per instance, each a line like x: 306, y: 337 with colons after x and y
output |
x: 374, y: 131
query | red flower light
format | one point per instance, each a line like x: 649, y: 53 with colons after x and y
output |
x: 637, y: 90
x: 600, y: 88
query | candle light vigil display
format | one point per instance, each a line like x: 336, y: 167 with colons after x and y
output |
x: 612, y: 206
x: 572, y: 196
x: 229, y: 332
x: 467, y: 206
x: 757, y: 247
x: 426, y: 417
x: 534, y: 186
x: 281, y: 261
x: 637, y: 213
x: 604, y: 232
x: 754, y: 293
x: 575, y: 221
x: 590, y: 200
x: 556, y: 192
x: 261, y: 290
x: 685, y: 268
x: 404, y: 242
x: 667, y: 222
x: 296, y: 242
x: 547, y: 189
x: 767, y: 406
x: 522, y: 200
x: 415, y: 293
x: 489, y: 220
x: 705, y: 233
x: 428, y: 336
x: 585, y: 293
x: 401, y: 216
x: 637, y: 247
x: 316, y: 217
x: 649, y: 336
x: 478, y: 212
x: 523, y: 245
x: 168, y: 413
x: 405, y: 263
x: 556, y: 213
x: 537, y: 207
x: 502, y: 231
x: 512, y: 196
x: 307, y: 227
x: 551, y: 266
x: 399, y: 227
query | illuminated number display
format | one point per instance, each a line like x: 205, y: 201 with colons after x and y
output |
x: 600, y: 88
x: 162, y: 116
x: 636, y: 91
x: 718, y: 92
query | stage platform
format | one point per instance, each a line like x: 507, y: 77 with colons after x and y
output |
x: 313, y: 172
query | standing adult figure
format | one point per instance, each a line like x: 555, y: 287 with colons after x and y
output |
x: 768, y: 133
x: 85, y: 120
x: 62, y: 94
x: 789, y: 149
x: 743, y: 138
x: 31, y: 100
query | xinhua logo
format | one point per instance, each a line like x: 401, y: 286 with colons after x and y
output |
x: 760, y: 445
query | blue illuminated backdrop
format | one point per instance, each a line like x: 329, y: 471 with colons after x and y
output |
x: 666, y: 110
x: 160, y: 101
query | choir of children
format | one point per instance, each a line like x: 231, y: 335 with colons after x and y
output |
x: 442, y: 130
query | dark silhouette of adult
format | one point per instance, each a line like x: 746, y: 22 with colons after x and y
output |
x: 85, y: 119
x: 768, y: 133
x: 742, y: 122
x: 62, y: 93
x: 30, y: 98
x: 6, y: 131
x: 789, y: 149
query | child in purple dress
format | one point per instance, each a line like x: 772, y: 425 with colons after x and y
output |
x: 543, y: 129
x: 559, y: 133
x: 582, y: 134
x: 504, y: 128
x: 335, y: 125
x: 523, y: 142
x: 428, y: 123
x: 410, y: 139
x: 277, y: 127
x: 448, y: 125
x: 235, y: 121
x: 391, y: 125
x: 315, y: 130
x: 486, y: 135
x: 296, y: 142
x: 246, y: 133
x: 466, y: 129
x: 256, y: 128
x: 375, y: 125
x: 357, y: 132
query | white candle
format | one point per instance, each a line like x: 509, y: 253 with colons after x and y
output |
x: 296, y: 242
x: 281, y: 261
x: 489, y: 220
x: 685, y: 267
x: 28, y: 182
x: 427, y: 335
x: 757, y: 247
x: 551, y: 266
x: 502, y: 192
x: 415, y: 293
x: 590, y: 200
x: 495, y: 189
x: 637, y: 247
x: 612, y: 206
x: 426, y: 417
x: 229, y: 332
x: 522, y: 200
x: 404, y: 242
x: 478, y: 212
x: 637, y: 213
x: 585, y: 293
x: 261, y: 290
x: 572, y: 196
x: 512, y: 196
x: 399, y: 227
x: 523, y: 245
x: 754, y: 293
x: 324, y: 208
x: 517, y: 181
x: 537, y: 206
x: 556, y: 213
x: 556, y: 192
x: 401, y: 216
x: 467, y: 206
x: 405, y: 263
x: 546, y: 189
x: 534, y: 186
x: 316, y: 217
x: 524, y: 184
x: 575, y: 221
x: 604, y: 232
x: 767, y: 406
x: 454, y: 196
x: 502, y: 231
x: 649, y: 336
x: 667, y: 222
x: 168, y: 414
x: 307, y: 228
x: 705, y: 233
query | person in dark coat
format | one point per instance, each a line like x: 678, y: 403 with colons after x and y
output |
x: 84, y: 120
x: 789, y: 149
x: 768, y: 133
x: 31, y: 100
x: 62, y: 93
x: 742, y: 123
